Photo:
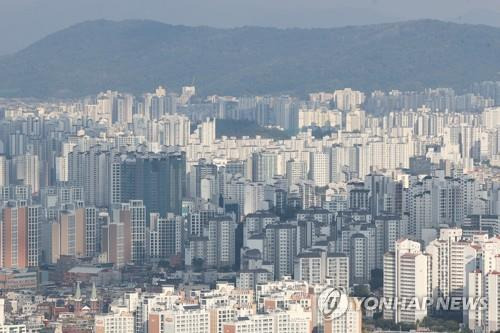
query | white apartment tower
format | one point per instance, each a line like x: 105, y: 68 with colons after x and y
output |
x: 187, y: 319
x: 349, y: 322
x: 121, y: 322
x: 280, y: 248
x: 451, y: 258
x: 220, y: 231
x: 295, y: 171
x: 4, y: 171
x: 321, y: 267
x: 137, y: 215
x: 406, y: 277
x: 320, y: 168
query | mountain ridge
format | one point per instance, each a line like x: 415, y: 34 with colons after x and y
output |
x: 136, y: 55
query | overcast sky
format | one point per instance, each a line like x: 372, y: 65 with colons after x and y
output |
x: 25, y: 21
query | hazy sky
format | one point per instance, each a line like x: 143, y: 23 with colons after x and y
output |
x: 25, y: 21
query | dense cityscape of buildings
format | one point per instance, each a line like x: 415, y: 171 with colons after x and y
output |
x: 124, y: 213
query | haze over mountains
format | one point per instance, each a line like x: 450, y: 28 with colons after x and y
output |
x: 135, y: 56
x: 478, y: 16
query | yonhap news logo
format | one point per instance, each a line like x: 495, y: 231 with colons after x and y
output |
x: 333, y: 302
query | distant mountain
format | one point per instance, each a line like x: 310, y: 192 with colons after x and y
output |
x: 136, y: 56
